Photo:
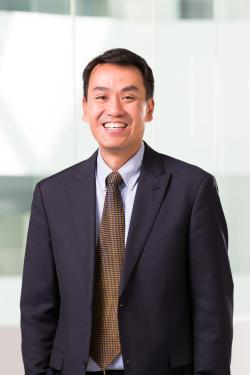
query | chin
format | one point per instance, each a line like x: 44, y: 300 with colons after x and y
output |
x: 113, y: 145
x: 113, y: 148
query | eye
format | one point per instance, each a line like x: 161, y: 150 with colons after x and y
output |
x: 128, y: 98
x: 101, y: 97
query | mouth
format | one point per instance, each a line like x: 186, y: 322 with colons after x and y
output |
x: 114, y: 125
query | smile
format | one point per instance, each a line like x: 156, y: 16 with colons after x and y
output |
x: 114, y: 125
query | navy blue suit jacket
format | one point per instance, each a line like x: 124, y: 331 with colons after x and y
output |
x: 175, y: 304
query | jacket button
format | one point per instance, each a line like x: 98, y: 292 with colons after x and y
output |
x: 128, y: 361
x: 121, y: 305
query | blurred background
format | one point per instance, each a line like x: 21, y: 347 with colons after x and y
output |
x: 200, y: 54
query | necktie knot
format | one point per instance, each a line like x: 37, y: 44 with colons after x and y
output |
x: 114, y: 179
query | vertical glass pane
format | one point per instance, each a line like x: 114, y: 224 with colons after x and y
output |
x: 233, y: 136
x: 203, y: 106
x: 36, y: 132
x: 129, y: 25
x: 37, y: 127
x: 231, y: 9
x: 15, y: 199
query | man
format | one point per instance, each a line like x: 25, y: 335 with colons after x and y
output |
x: 126, y: 268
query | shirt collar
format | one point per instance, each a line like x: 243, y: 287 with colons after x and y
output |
x: 130, y: 171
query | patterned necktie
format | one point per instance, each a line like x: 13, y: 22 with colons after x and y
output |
x: 105, y: 342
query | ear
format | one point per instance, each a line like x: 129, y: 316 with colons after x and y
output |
x: 84, y: 110
x: 150, y: 110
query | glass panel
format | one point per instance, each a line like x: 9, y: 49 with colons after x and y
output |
x: 199, y: 9
x: 233, y: 145
x: 50, y: 6
x: 15, y: 200
x: 94, y: 8
x: 140, y: 9
x: 23, y: 5
x: 42, y: 6
x: 203, y: 114
x: 231, y: 9
x: 37, y: 120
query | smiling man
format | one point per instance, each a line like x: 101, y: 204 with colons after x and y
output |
x: 117, y: 105
x: 126, y: 268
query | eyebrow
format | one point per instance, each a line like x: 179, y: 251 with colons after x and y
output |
x: 130, y: 88
x: 124, y: 89
x: 99, y: 88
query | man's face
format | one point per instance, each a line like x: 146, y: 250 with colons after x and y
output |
x: 116, y: 108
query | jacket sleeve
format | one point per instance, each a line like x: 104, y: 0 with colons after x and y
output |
x: 39, y: 297
x: 211, y: 284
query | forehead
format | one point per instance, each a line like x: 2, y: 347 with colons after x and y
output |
x: 116, y: 76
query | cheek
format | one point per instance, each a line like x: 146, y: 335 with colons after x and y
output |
x: 141, y: 111
x: 95, y: 113
x: 137, y: 113
x: 140, y: 117
x: 95, y: 118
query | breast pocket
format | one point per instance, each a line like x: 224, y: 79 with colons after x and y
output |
x: 156, y: 240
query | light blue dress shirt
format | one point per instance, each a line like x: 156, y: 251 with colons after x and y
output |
x: 130, y: 173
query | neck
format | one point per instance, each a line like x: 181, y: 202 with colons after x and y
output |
x: 115, y: 160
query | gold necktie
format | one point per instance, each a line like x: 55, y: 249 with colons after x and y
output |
x: 105, y: 342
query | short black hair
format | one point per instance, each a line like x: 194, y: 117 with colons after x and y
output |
x: 121, y: 56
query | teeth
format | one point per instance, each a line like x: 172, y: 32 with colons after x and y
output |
x: 114, y: 125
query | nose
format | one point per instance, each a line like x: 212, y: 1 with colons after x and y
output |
x: 114, y: 107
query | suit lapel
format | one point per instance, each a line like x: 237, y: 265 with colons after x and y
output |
x: 151, y: 189
x: 83, y: 204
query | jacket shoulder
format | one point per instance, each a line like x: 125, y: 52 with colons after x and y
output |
x: 189, y: 179
x: 177, y: 168
x: 183, y: 168
x: 63, y: 174
x: 79, y: 171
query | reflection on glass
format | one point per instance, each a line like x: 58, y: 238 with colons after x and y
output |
x: 139, y: 9
x: 232, y: 9
x: 93, y: 8
x: 193, y: 9
x: 234, y: 190
x: 15, y: 201
x: 44, y: 6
